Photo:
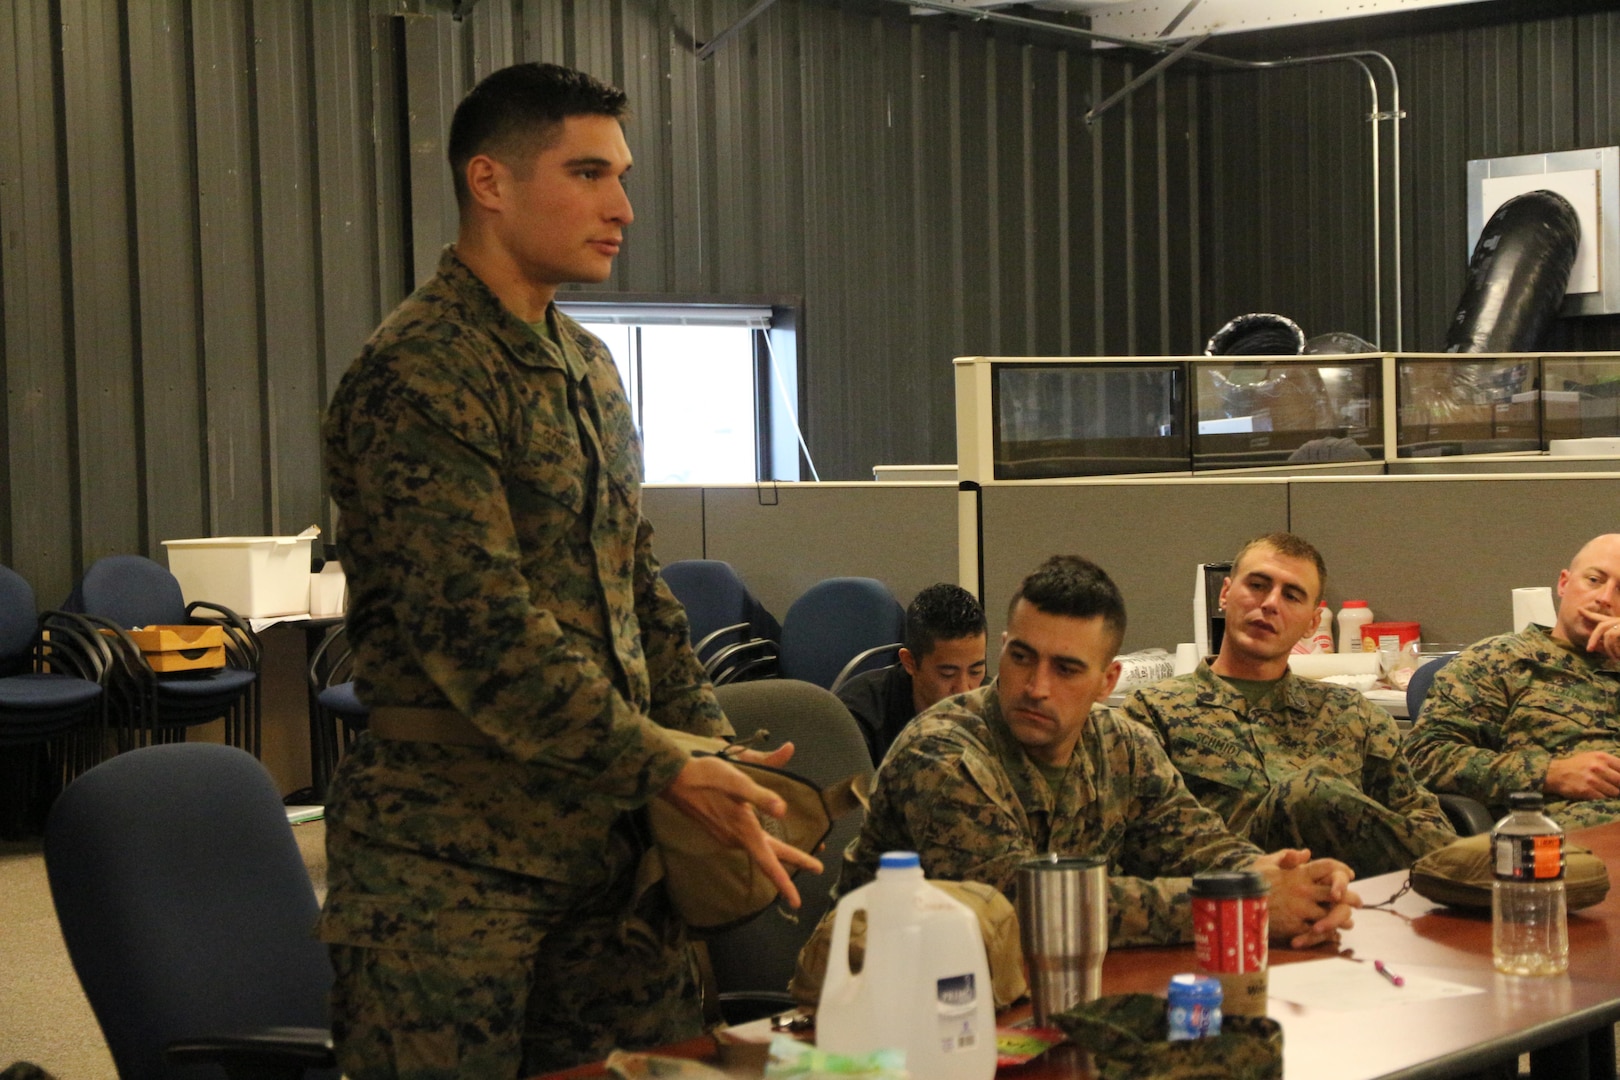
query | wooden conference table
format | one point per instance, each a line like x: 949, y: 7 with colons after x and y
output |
x: 1566, y: 1021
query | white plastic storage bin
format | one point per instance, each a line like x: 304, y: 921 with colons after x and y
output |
x: 258, y: 577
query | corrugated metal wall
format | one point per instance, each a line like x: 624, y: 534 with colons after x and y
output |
x: 1286, y: 208
x: 205, y: 205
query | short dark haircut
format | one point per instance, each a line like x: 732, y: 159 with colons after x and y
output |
x: 941, y: 612
x: 516, y: 112
x: 1077, y: 588
x: 1294, y: 547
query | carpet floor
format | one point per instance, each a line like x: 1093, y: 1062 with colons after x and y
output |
x: 44, y: 1016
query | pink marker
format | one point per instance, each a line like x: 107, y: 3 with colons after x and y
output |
x: 1378, y: 965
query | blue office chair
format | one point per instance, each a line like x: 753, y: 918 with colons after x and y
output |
x: 1468, y: 816
x: 188, y: 915
x: 1422, y: 679
x: 839, y: 628
x: 732, y: 633
x: 53, y: 703
x: 752, y: 963
x: 340, y: 714
x: 121, y: 592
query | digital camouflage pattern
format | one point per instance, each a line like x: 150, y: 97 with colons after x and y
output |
x: 1313, y: 765
x: 957, y: 788
x: 1502, y: 709
x: 488, y: 487
x: 1129, y: 1036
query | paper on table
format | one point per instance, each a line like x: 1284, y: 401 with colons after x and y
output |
x: 1347, y: 985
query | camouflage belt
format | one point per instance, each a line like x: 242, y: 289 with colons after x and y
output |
x: 426, y: 725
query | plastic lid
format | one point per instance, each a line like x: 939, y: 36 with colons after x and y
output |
x: 1052, y: 861
x: 1355, y: 603
x: 899, y: 860
x: 1229, y: 885
x: 1526, y: 800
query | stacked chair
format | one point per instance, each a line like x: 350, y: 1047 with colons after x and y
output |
x: 339, y: 713
x: 839, y: 628
x: 53, y: 703
x: 122, y: 592
x: 734, y: 636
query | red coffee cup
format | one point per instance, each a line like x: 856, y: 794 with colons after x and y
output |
x: 1231, y: 927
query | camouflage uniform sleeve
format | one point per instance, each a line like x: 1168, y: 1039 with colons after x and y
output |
x: 1456, y: 745
x: 1170, y: 837
x: 1387, y: 776
x: 682, y: 696
x: 957, y: 809
x: 421, y: 455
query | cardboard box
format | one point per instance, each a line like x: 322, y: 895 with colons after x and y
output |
x: 258, y: 577
x: 181, y: 648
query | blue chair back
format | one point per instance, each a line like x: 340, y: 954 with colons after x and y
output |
x: 835, y: 621
x: 1418, y: 688
x: 184, y: 901
x: 132, y: 590
x: 712, y: 594
x: 18, y: 620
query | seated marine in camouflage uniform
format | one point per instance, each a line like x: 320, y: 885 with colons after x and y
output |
x: 1286, y: 761
x: 1026, y: 765
x: 1537, y: 710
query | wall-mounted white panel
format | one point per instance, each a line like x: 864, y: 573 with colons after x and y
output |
x: 1590, y: 180
x: 1580, y: 187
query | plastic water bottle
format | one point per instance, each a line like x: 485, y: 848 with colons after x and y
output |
x: 924, y: 986
x: 1352, y: 617
x: 1529, y: 928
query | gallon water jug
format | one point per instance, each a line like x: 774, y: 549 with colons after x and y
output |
x: 924, y: 986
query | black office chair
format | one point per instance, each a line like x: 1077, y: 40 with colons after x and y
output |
x: 189, y: 916
x: 838, y: 628
x: 121, y: 592
x: 752, y: 963
x: 340, y: 714
x: 732, y: 633
x: 1468, y: 816
x: 53, y: 703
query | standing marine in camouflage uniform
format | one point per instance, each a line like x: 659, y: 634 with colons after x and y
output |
x: 511, y: 634
x: 1026, y: 765
x: 1286, y: 761
x: 1538, y: 710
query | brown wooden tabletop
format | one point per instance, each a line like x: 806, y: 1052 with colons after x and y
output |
x: 1430, y: 1038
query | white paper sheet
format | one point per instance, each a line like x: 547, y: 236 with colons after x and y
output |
x: 1349, y: 985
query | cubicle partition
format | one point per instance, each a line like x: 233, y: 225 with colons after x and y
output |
x: 1447, y: 551
x: 1148, y: 534
x: 1443, y: 551
x: 676, y: 515
x: 782, y: 538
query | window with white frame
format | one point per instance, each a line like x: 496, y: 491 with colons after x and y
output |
x: 713, y: 401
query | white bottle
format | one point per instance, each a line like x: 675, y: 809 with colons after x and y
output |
x: 924, y: 986
x: 1529, y: 925
x: 1352, y: 617
x: 1320, y: 639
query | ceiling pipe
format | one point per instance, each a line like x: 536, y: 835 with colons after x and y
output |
x: 1181, y: 51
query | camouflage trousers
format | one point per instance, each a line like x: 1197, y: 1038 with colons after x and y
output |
x: 1337, y: 820
x: 449, y: 970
